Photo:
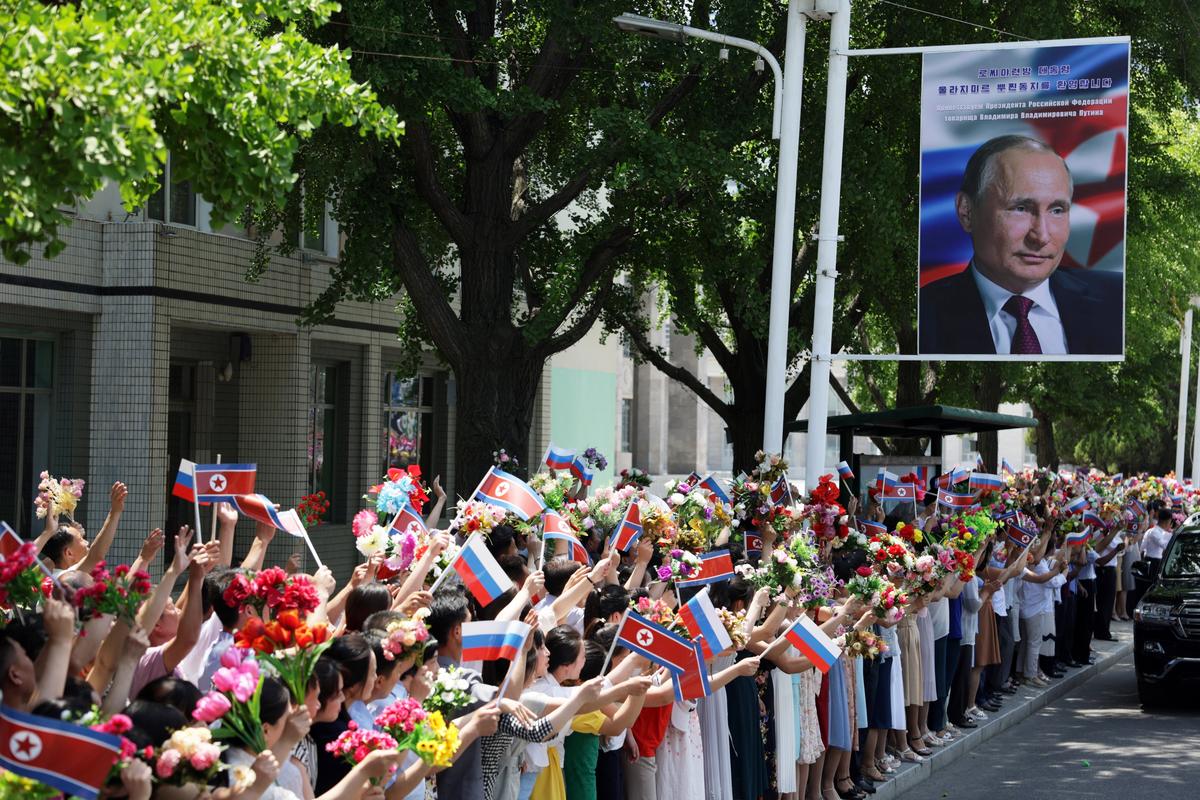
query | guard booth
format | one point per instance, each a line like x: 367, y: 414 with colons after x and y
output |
x: 914, y: 422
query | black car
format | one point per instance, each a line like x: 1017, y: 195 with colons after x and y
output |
x: 1166, y: 627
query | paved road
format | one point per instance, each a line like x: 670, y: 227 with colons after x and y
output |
x: 1130, y: 754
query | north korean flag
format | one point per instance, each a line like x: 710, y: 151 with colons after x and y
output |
x: 753, y: 544
x: 71, y: 758
x: 781, y: 491
x: 510, y: 493
x: 630, y: 529
x: 692, y: 684
x: 222, y: 483
x: 1021, y: 537
x: 555, y: 528
x: 869, y: 527
x: 408, y: 520
x: 955, y: 500
x: 715, y: 567
x: 899, y: 491
x: 656, y: 643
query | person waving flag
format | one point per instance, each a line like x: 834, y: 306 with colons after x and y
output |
x: 630, y: 529
x: 704, y: 624
x: 479, y: 571
x: 813, y: 643
x: 556, y: 529
x: 493, y: 640
x: 843, y: 469
x: 510, y: 493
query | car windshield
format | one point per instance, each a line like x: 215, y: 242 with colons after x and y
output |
x: 1183, y: 560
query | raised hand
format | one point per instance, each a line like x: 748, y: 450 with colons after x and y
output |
x: 183, y: 540
x: 226, y: 514
x: 58, y: 618
x: 415, y: 601
x: 438, y: 491
x: 150, y: 547
x: 292, y: 566
x: 116, y: 497
x: 535, y: 584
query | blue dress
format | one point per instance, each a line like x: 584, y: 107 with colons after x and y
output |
x: 839, y: 706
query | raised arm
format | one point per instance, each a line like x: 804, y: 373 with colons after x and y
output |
x: 104, y: 539
x: 263, y: 534
x: 645, y: 551
x: 435, y: 513
x: 55, y: 659
x: 191, y: 615
x: 227, y: 518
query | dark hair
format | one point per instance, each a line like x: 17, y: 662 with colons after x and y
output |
x: 449, y: 608
x: 325, y: 675
x: 172, y: 691
x: 30, y: 634
x: 563, y: 643
x: 78, y: 688
x: 430, y: 653
x: 493, y: 609
x: 978, y: 173
x: 601, y: 603
x: 727, y: 593
x: 1166, y: 515
x: 380, y: 620
x: 593, y: 660
x: 56, y: 546
x: 152, y: 722
x: 558, y: 572
x: 62, y: 708
x: 365, y: 600
x: 215, y: 585
x: 352, y: 654
x: 500, y: 539
x: 845, y: 561
x: 384, y: 666
x: 273, y: 701
x: 513, y: 566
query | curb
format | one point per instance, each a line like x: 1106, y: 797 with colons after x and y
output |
x: 911, y: 776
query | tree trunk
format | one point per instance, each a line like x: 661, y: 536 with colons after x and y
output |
x: 745, y: 434
x: 988, y: 393
x: 1047, y: 451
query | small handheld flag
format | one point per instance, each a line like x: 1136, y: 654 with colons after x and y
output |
x: 713, y: 485
x: 979, y: 463
x: 1006, y: 467
x: 406, y: 521
x: 844, y: 471
x: 955, y: 500
x: 510, y: 493
x: 556, y: 529
x: 185, y: 481
x: 813, y: 643
x: 692, y: 684
x: 655, y: 643
x: 1078, y: 537
x: 493, y: 640
x: 704, y: 624
x: 754, y: 544
x: 986, y: 482
x: 630, y: 529
x: 559, y: 458
x: 71, y: 758
x: 884, y: 478
x: 479, y: 571
x: 781, y: 491
x: 1091, y: 518
x: 222, y: 483
x: 899, y: 491
x: 1021, y: 537
x: 692, y: 480
x: 1077, y: 506
x: 869, y: 527
x: 715, y: 567
x: 260, y: 509
x: 10, y: 542
x: 581, y: 471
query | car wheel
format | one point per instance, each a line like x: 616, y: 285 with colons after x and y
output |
x: 1151, y: 695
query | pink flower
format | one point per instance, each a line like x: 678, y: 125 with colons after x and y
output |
x: 167, y: 762
x: 211, y: 707
x: 205, y: 756
x: 364, y: 522
x: 234, y: 656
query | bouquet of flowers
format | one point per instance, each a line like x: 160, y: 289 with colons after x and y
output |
x: 20, y: 579
x: 57, y: 496
x: 234, y: 700
x: 288, y: 645
x: 400, y: 487
x: 406, y: 638
x: 117, y: 725
x: 119, y: 593
x: 699, y: 517
x: 926, y: 574
x: 450, y: 691
x: 658, y: 612
x: 312, y: 507
x: 189, y: 756
x: 426, y: 734
x: 474, y: 516
x: 886, y: 601
x: 818, y: 587
x: 633, y: 477
x: 595, y: 459
x: 864, y: 643
x: 605, y: 509
x: 778, y: 573
x: 735, y: 626
x: 680, y: 565
x: 824, y: 511
x: 502, y: 459
x: 355, y: 744
x: 442, y: 562
x: 554, y: 489
x: 273, y: 590
x: 889, y: 553
x: 910, y: 533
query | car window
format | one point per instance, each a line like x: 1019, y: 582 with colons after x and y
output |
x: 1183, y: 559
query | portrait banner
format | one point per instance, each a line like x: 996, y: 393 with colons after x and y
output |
x: 1022, y: 201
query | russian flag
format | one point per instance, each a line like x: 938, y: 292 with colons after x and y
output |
x: 1120, y: 476
x: 493, y: 640
x: 222, y: 483
x: 185, y: 481
x: 1092, y: 518
x: 713, y: 485
x: 955, y: 475
x: 979, y: 463
x: 556, y: 529
x: 813, y: 643
x: 704, y: 624
x: 844, y: 470
x: 559, y: 459
x: 10, y: 542
x: 884, y: 478
x: 922, y: 474
x: 1006, y: 467
x: 715, y: 567
x: 870, y: 528
x: 408, y: 520
x: 955, y: 500
x: 1078, y: 537
x: 71, y: 758
x: 1021, y: 537
x: 580, y: 470
x: 630, y: 529
x: 781, y: 491
x: 479, y: 571
x: 258, y: 508
x: 510, y: 493
x: 1077, y: 506
x: 986, y: 481
x: 692, y: 684
x: 753, y: 544
x: 656, y: 643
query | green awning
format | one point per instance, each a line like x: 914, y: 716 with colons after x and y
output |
x: 919, y: 421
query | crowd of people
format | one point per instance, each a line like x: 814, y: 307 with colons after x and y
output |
x: 256, y: 680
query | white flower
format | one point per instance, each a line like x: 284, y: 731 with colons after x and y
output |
x: 676, y: 499
x: 372, y: 543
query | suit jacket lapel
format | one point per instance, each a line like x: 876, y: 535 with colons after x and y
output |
x: 971, y: 316
x: 1079, y: 311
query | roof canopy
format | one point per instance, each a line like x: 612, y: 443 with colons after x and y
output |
x: 919, y: 421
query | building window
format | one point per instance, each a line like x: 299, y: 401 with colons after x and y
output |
x: 310, y: 233
x: 174, y: 201
x: 408, y: 420
x: 324, y: 432
x: 627, y: 424
x: 26, y: 411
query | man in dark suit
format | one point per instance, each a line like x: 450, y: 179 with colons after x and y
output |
x: 1015, y: 203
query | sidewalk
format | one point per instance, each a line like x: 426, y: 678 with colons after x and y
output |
x: 1017, y: 708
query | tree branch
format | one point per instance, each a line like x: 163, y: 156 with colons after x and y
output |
x: 677, y: 373
x: 599, y: 261
x: 571, y: 336
x: 445, y: 329
x: 428, y: 186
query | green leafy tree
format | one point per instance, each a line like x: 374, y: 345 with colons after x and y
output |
x: 97, y: 90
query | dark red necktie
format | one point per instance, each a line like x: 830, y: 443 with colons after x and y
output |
x: 1024, y: 340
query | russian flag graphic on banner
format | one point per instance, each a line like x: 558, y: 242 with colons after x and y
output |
x: 71, y: 758
x: 630, y: 529
x: 221, y: 483
x: 715, y: 567
x: 480, y: 573
x: 655, y: 643
x: 556, y: 529
x: 813, y: 643
x: 10, y: 542
x: 257, y: 507
x: 493, y: 640
x: 510, y: 493
x: 559, y: 458
x: 844, y: 470
x: 713, y: 485
x: 986, y: 482
x: 185, y: 481
x: 704, y: 624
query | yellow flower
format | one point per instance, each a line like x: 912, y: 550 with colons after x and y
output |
x: 918, y: 537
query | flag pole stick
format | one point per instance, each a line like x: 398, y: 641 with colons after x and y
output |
x: 214, y: 505
x: 450, y: 566
x: 312, y: 550
x: 196, y: 506
x: 613, y: 646
x: 508, y: 674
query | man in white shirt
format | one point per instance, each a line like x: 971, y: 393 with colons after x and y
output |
x: 1156, y: 541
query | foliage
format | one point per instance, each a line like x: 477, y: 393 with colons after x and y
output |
x: 97, y: 90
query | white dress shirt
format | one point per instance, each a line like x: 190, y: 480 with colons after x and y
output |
x: 1155, y: 541
x: 1043, y: 316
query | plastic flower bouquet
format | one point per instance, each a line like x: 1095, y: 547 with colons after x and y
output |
x: 658, y: 612
x: 450, y: 692
x: 605, y: 509
x: 890, y: 554
x: 864, y: 643
x: 234, y: 700
x: 474, y: 516
x: 406, y: 638
x: 57, y: 496
x: 554, y: 489
x: 288, y: 645
x: 312, y: 507
x: 20, y: 579
x: 119, y: 593
x: 272, y: 590
x: 680, y: 565
x: 189, y: 756
x: 634, y: 477
x: 735, y: 626
x: 355, y: 744
x: 425, y: 733
x: 886, y: 602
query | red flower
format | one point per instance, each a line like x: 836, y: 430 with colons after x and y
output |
x: 289, y: 618
x: 864, y: 571
x: 238, y: 591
